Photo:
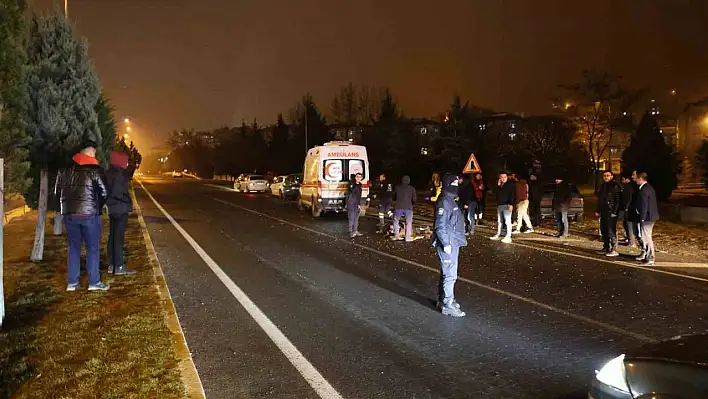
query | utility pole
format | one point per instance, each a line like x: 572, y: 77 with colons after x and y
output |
x: 66, y: 8
x: 2, y: 214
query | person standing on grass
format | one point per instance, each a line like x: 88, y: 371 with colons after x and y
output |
x: 354, y: 205
x: 119, y: 206
x: 82, y: 193
x: 535, y: 197
x: 608, y: 206
x: 385, y: 196
x: 405, y: 201
x: 522, y: 206
x: 449, y: 237
x: 506, y: 196
x: 561, y: 204
x: 468, y: 203
x: 629, y: 193
x: 648, y: 213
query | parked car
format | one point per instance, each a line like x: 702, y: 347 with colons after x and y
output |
x: 276, y: 186
x: 252, y: 183
x: 290, y: 190
x: 177, y: 173
x: 577, y: 203
x: 674, y: 368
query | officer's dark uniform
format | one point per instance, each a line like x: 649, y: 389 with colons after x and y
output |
x: 448, y: 238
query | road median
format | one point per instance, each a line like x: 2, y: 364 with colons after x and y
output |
x: 83, y: 344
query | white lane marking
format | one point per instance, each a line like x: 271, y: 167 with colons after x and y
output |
x: 587, y: 320
x: 313, y: 377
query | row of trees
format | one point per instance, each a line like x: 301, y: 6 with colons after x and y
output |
x: 50, y: 103
x: 574, y: 141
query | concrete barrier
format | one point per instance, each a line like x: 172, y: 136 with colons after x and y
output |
x: 684, y: 214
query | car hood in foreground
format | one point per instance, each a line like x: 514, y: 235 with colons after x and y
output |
x: 691, y: 349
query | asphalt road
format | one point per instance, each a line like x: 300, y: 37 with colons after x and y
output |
x: 357, y: 319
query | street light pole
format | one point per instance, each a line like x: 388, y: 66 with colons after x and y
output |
x: 66, y: 8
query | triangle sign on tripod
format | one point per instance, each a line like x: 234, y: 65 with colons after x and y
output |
x: 472, y: 166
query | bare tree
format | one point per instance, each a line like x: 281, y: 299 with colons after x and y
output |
x: 599, y: 107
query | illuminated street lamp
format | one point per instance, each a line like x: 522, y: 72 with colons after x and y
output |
x: 126, y: 120
x: 673, y: 92
x: 128, y: 128
x: 568, y: 105
x: 125, y: 136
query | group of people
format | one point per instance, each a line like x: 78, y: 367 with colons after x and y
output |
x: 83, y: 189
x: 634, y: 202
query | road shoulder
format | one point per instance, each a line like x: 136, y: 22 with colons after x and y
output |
x: 190, y: 376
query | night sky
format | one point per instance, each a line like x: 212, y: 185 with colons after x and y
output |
x: 170, y: 64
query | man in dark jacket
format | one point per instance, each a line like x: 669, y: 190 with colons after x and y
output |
x: 535, y: 196
x: 82, y: 193
x: 608, y: 206
x: 629, y: 222
x: 506, y: 197
x: 561, y: 204
x: 449, y: 237
x: 385, y: 197
x: 468, y: 203
x: 648, y: 213
x: 405, y: 199
x: 354, y: 205
x: 119, y: 206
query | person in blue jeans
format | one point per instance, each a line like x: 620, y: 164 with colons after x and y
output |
x: 561, y: 204
x: 404, y: 195
x: 506, y: 197
x: 82, y: 193
x: 449, y: 237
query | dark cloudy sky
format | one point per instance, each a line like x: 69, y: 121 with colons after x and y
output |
x: 170, y: 64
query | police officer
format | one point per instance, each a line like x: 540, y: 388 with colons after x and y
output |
x: 385, y: 196
x: 448, y: 238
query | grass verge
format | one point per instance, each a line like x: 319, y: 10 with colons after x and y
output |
x: 82, y: 344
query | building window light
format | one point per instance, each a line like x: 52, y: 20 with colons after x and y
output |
x: 423, y: 150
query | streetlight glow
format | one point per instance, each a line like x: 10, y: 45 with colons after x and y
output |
x: 673, y: 92
x: 128, y: 128
x: 126, y: 120
x: 125, y: 136
x: 568, y: 105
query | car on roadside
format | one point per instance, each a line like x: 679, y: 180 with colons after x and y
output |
x: 671, y: 369
x: 290, y: 190
x: 252, y: 184
x: 177, y: 174
x: 276, y: 186
x: 577, y: 204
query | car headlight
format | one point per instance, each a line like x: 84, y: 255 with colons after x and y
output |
x: 612, y: 374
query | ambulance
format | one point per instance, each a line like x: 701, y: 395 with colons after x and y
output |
x: 326, y: 175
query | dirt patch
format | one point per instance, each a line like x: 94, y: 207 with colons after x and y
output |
x: 82, y: 344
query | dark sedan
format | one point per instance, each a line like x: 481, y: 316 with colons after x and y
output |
x: 577, y: 203
x: 291, y: 187
x: 672, y: 369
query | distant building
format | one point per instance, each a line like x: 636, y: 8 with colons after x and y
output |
x: 348, y: 132
x: 692, y: 130
x: 427, y: 131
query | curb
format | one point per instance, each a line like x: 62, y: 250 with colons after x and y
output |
x: 189, y: 375
x: 9, y: 215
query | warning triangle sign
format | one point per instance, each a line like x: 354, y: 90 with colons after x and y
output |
x: 472, y: 165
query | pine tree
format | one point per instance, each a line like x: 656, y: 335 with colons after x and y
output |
x: 648, y: 152
x: 13, y: 97
x: 278, y: 147
x: 108, y: 128
x: 63, y: 91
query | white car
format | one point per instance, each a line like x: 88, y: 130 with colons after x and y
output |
x: 276, y: 187
x: 252, y: 183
